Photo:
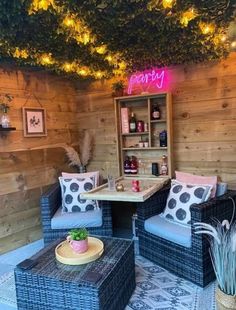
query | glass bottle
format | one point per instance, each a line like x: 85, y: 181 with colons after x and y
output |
x: 132, y: 123
x: 133, y: 165
x: 5, y: 119
x: 163, y: 138
x: 156, y: 112
x: 164, y: 167
x: 127, y: 165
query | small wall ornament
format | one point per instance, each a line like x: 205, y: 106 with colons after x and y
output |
x: 5, y: 100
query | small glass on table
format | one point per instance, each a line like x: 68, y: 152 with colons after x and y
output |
x: 111, y: 182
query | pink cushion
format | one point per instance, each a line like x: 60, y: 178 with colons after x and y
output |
x: 82, y: 175
x: 197, y: 180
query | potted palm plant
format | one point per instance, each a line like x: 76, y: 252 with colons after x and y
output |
x: 222, y: 238
x: 78, y: 239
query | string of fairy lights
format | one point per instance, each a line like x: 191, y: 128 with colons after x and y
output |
x: 76, y: 29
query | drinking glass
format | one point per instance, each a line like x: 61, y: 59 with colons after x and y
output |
x: 111, y: 182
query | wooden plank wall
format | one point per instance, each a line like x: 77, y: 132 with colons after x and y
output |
x: 25, y: 171
x: 204, y: 124
x: 204, y: 106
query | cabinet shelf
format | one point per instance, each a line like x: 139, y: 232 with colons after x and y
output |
x: 158, y: 121
x: 142, y: 107
x: 144, y: 133
x: 144, y: 148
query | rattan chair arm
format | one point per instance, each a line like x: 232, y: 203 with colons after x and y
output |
x: 50, y: 201
x: 220, y: 208
x: 154, y: 205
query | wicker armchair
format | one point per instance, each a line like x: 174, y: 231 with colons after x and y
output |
x: 194, y: 263
x: 50, y: 202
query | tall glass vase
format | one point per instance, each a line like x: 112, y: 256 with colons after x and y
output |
x: 5, y: 120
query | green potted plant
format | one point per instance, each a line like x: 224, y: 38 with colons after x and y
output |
x: 118, y: 88
x: 78, y: 239
x: 4, y: 107
x: 222, y: 238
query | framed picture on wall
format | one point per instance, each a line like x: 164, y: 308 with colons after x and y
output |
x: 34, y: 122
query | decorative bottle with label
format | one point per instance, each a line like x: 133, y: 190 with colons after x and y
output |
x: 133, y: 165
x: 156, y: 114
x: 164, y: 167
x: 132, y: 123
x: 163, y: 138
x: 127, y: 165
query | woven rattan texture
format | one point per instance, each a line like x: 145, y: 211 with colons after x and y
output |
x: 51, y: 201
x: 193, y: 263
x: 51, y: 285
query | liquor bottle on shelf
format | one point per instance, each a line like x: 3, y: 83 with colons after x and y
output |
x: 140, y: 126
x: 163, y: 138
x: 164, y: 167
x: 132, y: 123
x: 127, y: 165
x: 156, y: 114
x: 133, y: 165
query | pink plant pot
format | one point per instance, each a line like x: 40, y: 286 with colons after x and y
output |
x: 78, y: 246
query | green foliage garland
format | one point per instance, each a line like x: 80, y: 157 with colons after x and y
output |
x: 142, y: 32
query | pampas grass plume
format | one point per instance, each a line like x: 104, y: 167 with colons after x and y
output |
x: 73, y: 156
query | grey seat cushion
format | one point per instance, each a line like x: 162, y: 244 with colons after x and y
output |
x: 76, y: 219
x: 159, y: 226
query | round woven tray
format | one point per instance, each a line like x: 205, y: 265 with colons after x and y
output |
x: 66, y: 255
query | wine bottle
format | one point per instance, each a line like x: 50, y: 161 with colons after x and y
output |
x: 127, y: 164
x: 156, y: 114
x: 132, y: 123
x: 133, y: 165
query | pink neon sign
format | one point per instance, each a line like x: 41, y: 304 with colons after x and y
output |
x: 146, y: 79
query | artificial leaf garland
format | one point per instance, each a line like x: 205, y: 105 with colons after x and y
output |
x: 101, y: 38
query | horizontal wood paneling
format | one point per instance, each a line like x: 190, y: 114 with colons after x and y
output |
x: 204, y: 126
x: 29, y: 165
x: 204, y: 113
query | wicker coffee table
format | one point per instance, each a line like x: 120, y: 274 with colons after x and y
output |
x: 104, y: 284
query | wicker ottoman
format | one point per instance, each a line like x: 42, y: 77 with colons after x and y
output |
x: 50, y: 285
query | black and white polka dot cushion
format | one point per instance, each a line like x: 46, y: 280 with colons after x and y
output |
x: 71, y: 189
x: 181, y: 197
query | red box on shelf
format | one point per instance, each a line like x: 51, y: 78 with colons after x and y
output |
x: 125, y: 120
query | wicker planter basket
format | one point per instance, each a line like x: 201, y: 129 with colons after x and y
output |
x: 224, y: 301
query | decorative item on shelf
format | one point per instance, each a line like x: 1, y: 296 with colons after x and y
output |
x: 156, y: 114
x: 127, y: 165
x: 163, y: 138
x: 135, y: 186
x: 4, y: 107
x: 124, y: 120
x: 119, y: 187
x: 78, y: 239
x: 146, y: 143
x: 164, y: 166
x: 118, y: 88
x: 222, y: 238
x: 132, y: 123
x: 133, y: 165
x: 155, y: 169
x: 140, y: 126
x: 141, y: 144
x: 146, y: 127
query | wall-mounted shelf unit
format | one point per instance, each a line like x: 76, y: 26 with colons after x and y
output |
x: 7, y: 129
x: 128, y: 143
